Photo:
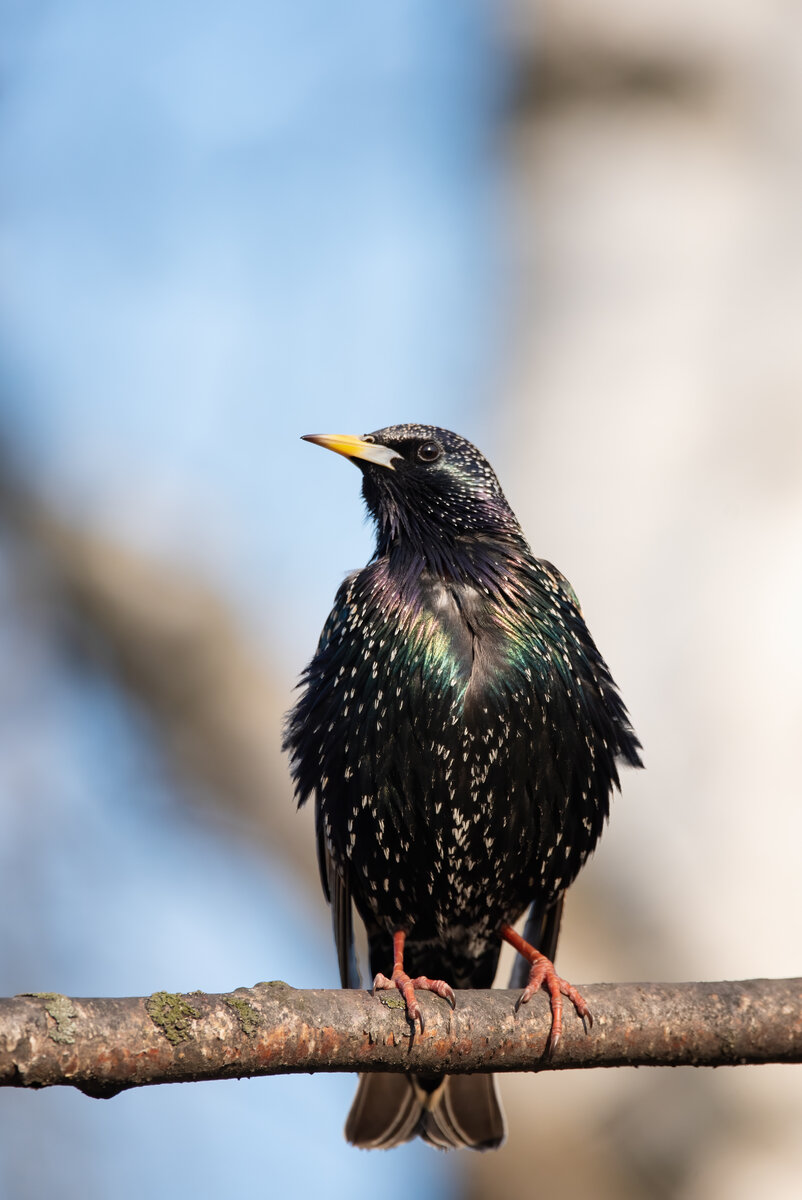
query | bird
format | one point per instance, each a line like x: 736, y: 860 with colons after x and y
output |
x: 461, y: 736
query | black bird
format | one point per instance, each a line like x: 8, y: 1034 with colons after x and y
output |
x: 460, y: 732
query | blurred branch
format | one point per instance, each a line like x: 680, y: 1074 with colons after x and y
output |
x: 180, y: 650
x: 566, y: 53
x: 559, y: 76
x: 105, y: 1046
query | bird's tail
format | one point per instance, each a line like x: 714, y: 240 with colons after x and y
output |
x: 447, y: 1111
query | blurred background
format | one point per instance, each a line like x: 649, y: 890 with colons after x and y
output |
x: 570, y: 231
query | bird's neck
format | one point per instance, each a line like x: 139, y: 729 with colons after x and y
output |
x: 481, y: 561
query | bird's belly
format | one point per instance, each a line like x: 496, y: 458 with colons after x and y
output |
x: 452, y: 868
x: 471, y: 859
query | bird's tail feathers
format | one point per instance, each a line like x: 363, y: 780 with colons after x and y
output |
x: 448, y: 1112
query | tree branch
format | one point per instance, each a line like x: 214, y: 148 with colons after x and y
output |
x: 103, y: 1046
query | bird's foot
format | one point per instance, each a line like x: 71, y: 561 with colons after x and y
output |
x: 407, y: 986
x: 543, y: 974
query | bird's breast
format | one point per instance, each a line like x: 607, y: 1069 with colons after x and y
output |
x: 444, y: 762
x: 431, y: 755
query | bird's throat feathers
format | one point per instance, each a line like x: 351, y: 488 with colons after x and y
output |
x: 462, y: 618
x: 408, y: 568
x: 448, y: 519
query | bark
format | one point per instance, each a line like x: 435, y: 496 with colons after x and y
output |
x: 103, y: 1046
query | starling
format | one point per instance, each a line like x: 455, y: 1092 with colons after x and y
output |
x: 460, y: 733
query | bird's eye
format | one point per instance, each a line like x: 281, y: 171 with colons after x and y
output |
x: 369, y: 438
x: 429, y: 452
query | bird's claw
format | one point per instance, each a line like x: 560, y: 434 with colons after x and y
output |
x: 407, y: 987
x: 543, y: 974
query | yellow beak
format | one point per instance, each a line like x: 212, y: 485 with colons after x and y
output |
x: 354, y: 447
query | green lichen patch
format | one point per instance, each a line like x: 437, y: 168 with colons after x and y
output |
x: 391, y: 1001
x: 61, y: 1009
x: 248, y: 1017
x: 173, y: 1015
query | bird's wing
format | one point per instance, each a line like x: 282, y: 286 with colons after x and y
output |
x: 338, y: 893
x: 560, y: 579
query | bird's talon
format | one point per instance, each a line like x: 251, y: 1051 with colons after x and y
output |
x: 381, y: 983
x: 543, y: 974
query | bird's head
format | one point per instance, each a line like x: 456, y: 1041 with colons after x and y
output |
x: 428, y: 490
